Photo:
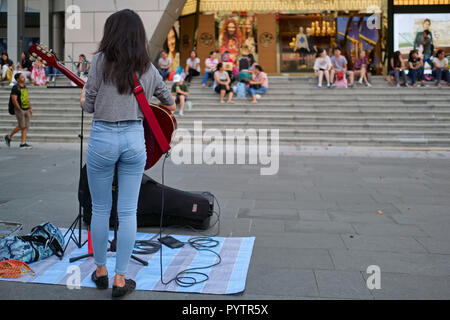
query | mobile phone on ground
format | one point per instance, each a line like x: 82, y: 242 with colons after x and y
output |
x: 171, y: 242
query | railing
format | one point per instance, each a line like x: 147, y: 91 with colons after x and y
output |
x: 69, y: 64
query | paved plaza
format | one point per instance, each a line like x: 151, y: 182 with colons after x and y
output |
x: 319, y: 223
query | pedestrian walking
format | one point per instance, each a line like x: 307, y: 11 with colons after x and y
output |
x: 20, y: 103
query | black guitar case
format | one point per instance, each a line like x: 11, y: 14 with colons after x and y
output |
x: 181, y: 208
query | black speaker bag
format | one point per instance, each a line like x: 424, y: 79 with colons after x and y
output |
x: 180, y: 207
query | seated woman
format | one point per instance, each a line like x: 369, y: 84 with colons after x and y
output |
x: 222, y: 83
x: 360, y: 68
x: 251, y: 62
x: 24, y: 67
x: 192, y: 66
x: 243, y: 76
x: 440, y: 68
x: 259, y: 84
x: 416, y: 68
x: 398, y: 68
x: 210, y: 66
x: 322, y: 67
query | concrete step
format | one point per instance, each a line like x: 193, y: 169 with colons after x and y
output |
x: 441, y: 126
x: 284, y: 132
x: 304, y: 114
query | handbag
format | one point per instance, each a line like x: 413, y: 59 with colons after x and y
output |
x: 44, y: 241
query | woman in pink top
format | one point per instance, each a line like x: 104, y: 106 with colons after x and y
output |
x: 210, y: 67
x: 259, y: 84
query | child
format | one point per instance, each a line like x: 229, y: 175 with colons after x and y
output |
x: 179, y: 92
x: 38, y: 74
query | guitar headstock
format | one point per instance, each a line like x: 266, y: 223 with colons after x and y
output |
x: 38, y: 51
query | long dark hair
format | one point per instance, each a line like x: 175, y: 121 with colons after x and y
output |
x: 319, y: 52
x: 252, y: 59
x: 397, y: 61
x: 125, y: 47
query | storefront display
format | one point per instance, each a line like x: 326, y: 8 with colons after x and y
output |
x: 300, y: 36
x: 283, y: 36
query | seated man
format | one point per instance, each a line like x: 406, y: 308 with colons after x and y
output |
x: 339, y: 64
x: 164, y: 64
x: 259, y: 84
x: 440, y: 68
x: 179, y: 92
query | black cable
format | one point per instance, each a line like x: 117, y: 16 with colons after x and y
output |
x: 186, y: 277
x: 146, y: 247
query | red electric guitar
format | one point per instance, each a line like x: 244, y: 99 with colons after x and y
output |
x: 164, y: 117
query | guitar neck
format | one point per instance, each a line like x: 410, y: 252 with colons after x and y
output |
x: 69, y: 74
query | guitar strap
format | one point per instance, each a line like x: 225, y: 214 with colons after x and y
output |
x: 150, y: 116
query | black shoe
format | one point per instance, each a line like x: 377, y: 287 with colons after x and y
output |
x: 101, y: 282
x: 25, y: 146
x: 129, y: 287
x: 8, y: 141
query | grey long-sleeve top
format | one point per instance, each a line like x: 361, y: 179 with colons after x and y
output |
x: 108, y: 105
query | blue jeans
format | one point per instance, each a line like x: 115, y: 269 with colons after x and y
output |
x: 416, y: 74
x: 253, y: 92
x: 207, y: 75
x: 164, y: 73
x: 427, y: 58
x: 110, y: 142
x: 441, y: 74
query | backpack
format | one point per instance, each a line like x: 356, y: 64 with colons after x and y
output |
x: 11, y: 108
x: 43, y: 241
x: 341, y: 83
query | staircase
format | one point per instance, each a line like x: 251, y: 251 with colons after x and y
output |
x: 381, y: 116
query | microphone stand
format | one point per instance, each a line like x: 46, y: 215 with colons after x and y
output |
x: 77, y: 222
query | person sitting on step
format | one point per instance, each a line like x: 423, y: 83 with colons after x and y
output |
x: 440, y: 68
x: 322, y: 67
x: 339, y: 64
x: 398, y: 69
x: 180, y: 92
x: 259, y: 84
x: 360, y: 67
x: 416, y: 68
x: 222, y: 83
